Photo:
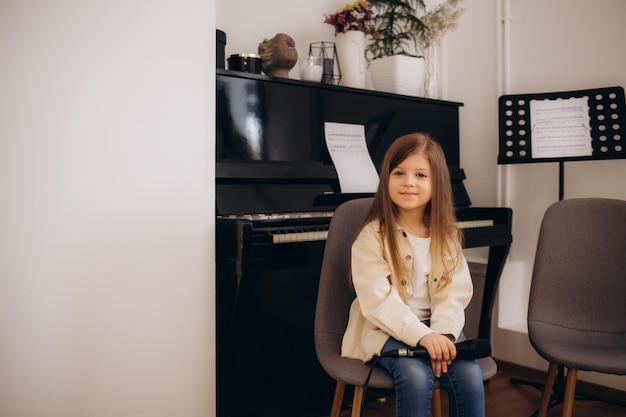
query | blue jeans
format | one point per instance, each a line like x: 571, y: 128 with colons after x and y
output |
x: 414, y: 380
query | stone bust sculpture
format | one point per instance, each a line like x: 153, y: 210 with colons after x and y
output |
x: 278, y: 55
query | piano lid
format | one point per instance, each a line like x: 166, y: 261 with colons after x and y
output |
x: 276, y: 119
x: 270, y: 145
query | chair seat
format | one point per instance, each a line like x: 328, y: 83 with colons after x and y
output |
x: 586, y: 351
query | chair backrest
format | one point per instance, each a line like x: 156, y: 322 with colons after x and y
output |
x: 335, y: 294
x: 579, y: 274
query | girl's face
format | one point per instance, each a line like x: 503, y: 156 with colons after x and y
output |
x: 410, y: 184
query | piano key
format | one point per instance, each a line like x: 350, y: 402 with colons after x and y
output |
x: 473, y: 224
x: 308, y: 236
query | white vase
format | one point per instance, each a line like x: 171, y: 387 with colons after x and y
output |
x: 399, y: 74
x: 351, y: 55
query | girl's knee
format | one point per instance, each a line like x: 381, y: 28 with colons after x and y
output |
x: 415, y: 375
x: 471, y: 377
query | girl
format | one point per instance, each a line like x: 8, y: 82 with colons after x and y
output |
x: 412, y: 282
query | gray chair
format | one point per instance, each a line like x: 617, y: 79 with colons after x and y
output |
x: 576, y: 308
x: 331, y: 317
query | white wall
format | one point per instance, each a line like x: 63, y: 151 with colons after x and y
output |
x: 107, y: 214
x: 557, y: 45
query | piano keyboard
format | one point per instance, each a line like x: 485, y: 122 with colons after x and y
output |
x: 313, y: 235
x: 308, y: 236
x: 473, y: 224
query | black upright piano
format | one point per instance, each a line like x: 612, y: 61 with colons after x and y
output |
x: 276, y: 190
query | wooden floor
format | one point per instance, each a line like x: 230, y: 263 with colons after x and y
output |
x: 503, y: 399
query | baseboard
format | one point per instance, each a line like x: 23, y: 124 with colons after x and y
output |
x: 584, y: 388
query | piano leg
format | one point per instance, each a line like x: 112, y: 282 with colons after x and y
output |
x: 495, y: 265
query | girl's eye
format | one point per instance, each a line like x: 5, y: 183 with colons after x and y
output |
x: 422, y: 175
x: 397, y: 173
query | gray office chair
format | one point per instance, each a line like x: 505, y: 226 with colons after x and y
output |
x: 576, y: 308
x: 331, y: 317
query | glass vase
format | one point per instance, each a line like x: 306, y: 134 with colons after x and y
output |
x: 431, y: 72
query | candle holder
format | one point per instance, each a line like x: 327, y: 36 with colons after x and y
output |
x: 331, y: 73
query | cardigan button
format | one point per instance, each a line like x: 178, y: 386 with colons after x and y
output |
x: 403, y: 282
x: 408, y: 257
x: 403, y: 233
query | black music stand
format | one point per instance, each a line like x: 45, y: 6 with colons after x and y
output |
x: 596, y: 115
x: 520, y: 142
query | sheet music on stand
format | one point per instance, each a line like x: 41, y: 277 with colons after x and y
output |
x: 563, y: 126
x: 552, y: 127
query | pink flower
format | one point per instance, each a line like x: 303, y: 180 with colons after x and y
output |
x: 353, y: 16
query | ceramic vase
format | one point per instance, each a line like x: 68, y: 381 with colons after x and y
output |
x: 351, y: 55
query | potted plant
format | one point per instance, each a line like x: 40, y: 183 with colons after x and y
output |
x: 394, y: 59
x: 399, y: 27
x: 406, y: 30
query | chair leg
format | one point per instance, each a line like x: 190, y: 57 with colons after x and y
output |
x: 356, y: 401
x: 337, y: 399
x: 570, y: 390
x: 436, y: 403
x: 547, y: 390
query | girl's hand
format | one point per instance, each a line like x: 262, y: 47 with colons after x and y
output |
x: 441, y: 350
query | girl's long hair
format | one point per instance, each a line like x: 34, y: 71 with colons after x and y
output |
x: 439, y: 216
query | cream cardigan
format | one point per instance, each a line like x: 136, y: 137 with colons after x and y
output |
x: 379, y: 312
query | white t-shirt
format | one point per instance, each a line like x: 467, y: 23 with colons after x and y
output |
x: 419, y: 300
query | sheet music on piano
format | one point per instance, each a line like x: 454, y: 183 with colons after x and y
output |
x: 351, y: 158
